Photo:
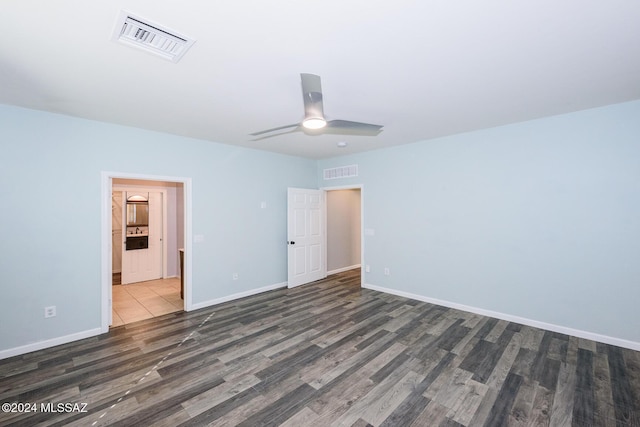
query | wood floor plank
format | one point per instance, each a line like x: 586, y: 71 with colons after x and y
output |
x: 442, y: 379
x: 216, y: 394
x: 548, y: 377
x: 541, y: 407
x: 380, y: 402
x: 497, y: 330
x: 626, y: 400
x: 335, y: 400
x: 407, y: 411
x: 331, y: 403
x: 449, y: 391
x: 370, y: 399
x: 483, y: 371
x: 501, y: 410
x: 328, y: 353
x: 468, y: 402
x: 462, y: 348
x: 583, y: 403
x: 504, y: 365
x: 387, y: 403
x: 531, y: 338
x: 604, y: 412
x: 282, y: 409
x: 485, y: 407
x: 353, y: 362
x: 523, y: 362
x: 523, y: 403
x: 304, y: 417
x: 432, y: 415
x: 562, y: 408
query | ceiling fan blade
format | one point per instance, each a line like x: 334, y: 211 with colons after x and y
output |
x: 296, y: 129
x: 312, y: 95
x: 310, y: 83
x: 274, y: 129
x: 353, y: 128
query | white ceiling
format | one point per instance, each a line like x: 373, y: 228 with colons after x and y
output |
x: 423, y: 69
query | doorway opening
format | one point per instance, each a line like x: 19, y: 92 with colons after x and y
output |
x: 344, y: 230
x: 156, y: 276
x: 146, y: 238
x: 324, y: 233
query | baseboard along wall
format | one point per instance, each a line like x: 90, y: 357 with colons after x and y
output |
x: 632, y: 345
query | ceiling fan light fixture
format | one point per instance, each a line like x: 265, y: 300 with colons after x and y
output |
x: 314, y: 123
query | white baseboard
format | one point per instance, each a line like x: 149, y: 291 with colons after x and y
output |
x: 238, y: 296
x: 510, y: 318
x: 340, y: 270
x: 16, y: 351
x: 4, y: 354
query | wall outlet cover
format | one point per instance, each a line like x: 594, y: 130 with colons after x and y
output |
x: 50, y: 311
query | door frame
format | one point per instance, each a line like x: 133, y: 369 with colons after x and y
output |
x: 106, y: 183
x: 362, y: 247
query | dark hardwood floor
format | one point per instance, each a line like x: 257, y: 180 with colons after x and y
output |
x: 327, y: 353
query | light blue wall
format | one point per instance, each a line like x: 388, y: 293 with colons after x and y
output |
x: 538, y: 220
x: 51, y: 205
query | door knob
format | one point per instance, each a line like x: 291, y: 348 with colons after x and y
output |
x: 291, y: 243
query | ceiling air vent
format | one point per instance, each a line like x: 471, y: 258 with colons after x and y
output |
x: 341, y: 172
x: 137, y: 32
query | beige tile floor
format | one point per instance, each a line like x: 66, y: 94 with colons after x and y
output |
x: 144, y: 300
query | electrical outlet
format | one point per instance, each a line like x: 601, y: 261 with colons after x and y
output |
x: 235, y: 276
x: 50, y: 311
x: 386, y: 271
x: 367, y: 268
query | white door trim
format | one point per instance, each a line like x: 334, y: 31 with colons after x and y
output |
x: 106, y: 184
x: 350, y: 187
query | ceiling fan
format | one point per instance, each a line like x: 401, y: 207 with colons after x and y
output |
x: 314, y: 122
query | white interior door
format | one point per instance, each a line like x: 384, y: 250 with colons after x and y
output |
x: 140, y: 265
x: 306, y: 236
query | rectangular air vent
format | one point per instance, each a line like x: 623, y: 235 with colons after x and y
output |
x: 137, y: 32
x: 341, y: 172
